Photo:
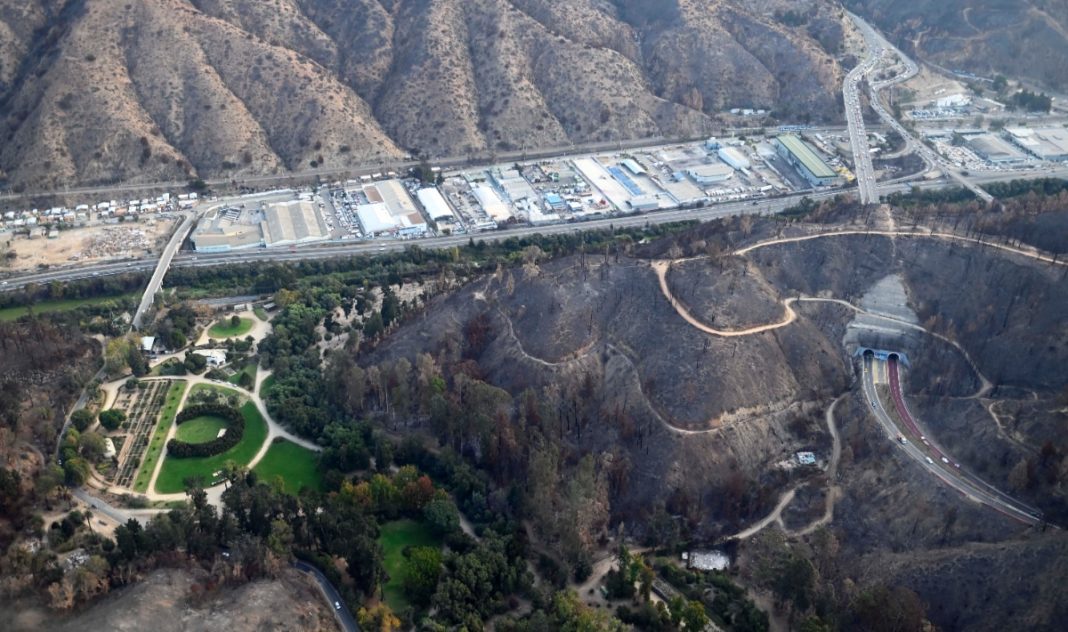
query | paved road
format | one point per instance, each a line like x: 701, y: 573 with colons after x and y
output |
x: 156, y: 282
x: 341, y: 249
x: 341, y: 611
x: 959, y: 479
x: 122, y: 516
x: 877, y: 42
x: 867, y: 186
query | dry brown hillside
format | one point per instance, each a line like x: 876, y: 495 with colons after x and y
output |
x: 95, y: 91
x: 1023, y: 39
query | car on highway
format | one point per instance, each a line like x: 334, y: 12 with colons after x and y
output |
x: 945, y: 460
x: 928, y: 459
x: 337, y: 605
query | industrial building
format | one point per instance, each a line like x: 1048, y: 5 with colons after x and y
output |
x: 228, y: 229
x: 995, y: 150
x: 435, y: 205
x: 734, y: 157
x: 291, y: 223
x: 389, y: 210
x: 805, y: 159
x: 714, y: 173
x: 491, y: 203
x: 1046, y: 143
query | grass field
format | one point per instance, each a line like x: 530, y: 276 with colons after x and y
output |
x: 159, y: 436
x: 175, y: 471
x: 266, y: 385
x: 200, y: 429
x: 224, y: 329
x: 221, y: 390
x: 394, y: 536
x: 249, y: 368
x: 8, y: 314
x: 298, y: 466
x: 261, y: 314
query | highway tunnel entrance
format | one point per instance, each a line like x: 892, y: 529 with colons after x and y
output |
x: 882, y: 354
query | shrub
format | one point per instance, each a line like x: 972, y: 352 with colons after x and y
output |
x: 81, y: 419
x: 111, y: 419
x: 235, y: 430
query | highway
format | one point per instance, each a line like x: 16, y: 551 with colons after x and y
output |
x: 350, y: 248
x: 379, y: 246
x: 858, y: 136
x: 341, y: 611
x: 961, y: 480
x: 879, y: 46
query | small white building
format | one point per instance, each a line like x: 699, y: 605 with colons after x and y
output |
x: 707, y: 560
x: 109, y: 448
x: 215, y: 357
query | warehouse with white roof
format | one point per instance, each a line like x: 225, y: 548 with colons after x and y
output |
x: 435, y: 205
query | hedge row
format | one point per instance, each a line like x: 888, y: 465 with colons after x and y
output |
x: 235, y: 429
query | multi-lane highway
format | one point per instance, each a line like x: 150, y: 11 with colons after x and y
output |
x: 879, y: 49
x: 858, y: 135
x: 350, y: 248
x: 921, y: 449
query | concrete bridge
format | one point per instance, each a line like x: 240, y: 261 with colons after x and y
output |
x: 156, y: 282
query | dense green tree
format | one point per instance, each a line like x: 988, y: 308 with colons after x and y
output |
x: 111, y: 419
x: 81, y: 419
x: 420, y: 572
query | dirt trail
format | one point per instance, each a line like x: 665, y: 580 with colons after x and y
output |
x: 662, y: 267
x: 834, y: 492
x: 929, y: 234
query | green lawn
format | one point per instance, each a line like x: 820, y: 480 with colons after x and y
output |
x: 8, y: 314
x: 224, y: 329
x: 159, y: 435
x: 266, y: 385
x: 201, y: 429
x: 175, y: 471
x: 249, y: 368
x: 394, y: 536
x: 221, y: 390
x: 298, y: 466
x: 261, y: 314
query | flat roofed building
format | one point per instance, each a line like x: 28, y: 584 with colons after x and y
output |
x: 491, y: 203
x: 229, y: 229
x: 734, y: 157
x: 993, y: 149
x: 1046, y: 143
x: 435, y: 205
x: 293, y: 222
x: 805, y: 159
x: 710, y: 174
x: 396, y: 198
x: 375, y: 218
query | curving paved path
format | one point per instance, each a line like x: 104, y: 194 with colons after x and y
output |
x: 274, y: 431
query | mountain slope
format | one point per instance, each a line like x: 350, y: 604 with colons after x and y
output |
x: 96, y: 91
x: 1019, y: 38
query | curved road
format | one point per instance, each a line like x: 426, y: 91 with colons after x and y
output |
x: 966, y: 484
x: 333, y: 597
